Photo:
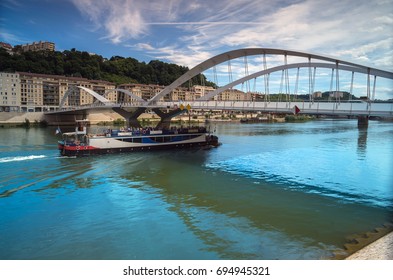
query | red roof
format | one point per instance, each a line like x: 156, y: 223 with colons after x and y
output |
x: 5, y: 45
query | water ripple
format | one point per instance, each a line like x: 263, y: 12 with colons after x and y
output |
x: 323, y: 173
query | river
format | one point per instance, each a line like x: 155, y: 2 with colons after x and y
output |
x: 270, y: 191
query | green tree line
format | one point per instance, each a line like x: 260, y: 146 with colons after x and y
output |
x: 117, y: 69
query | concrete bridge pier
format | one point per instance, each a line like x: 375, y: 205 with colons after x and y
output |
x: 131, y: 117
x: 363, y: 121
x: 166, y: 118
x: 65, y: 118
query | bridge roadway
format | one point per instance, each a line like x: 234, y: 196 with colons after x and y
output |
x: 343, y: 108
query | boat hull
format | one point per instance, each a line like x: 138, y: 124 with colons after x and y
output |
x: 88, y: 150
x: 113, y: 148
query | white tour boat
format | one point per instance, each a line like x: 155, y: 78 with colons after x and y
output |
x: 81, y: 143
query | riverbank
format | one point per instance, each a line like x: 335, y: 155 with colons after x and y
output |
x: 14, y: 119
x: 381, y: 249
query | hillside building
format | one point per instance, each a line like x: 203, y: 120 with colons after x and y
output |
x: 7, y: 47
x: 37, y: 46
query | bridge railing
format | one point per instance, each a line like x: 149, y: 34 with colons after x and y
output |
x: 313, y: 108
x: 319, y: 108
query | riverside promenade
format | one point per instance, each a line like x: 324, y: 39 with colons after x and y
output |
x: 381, y: 249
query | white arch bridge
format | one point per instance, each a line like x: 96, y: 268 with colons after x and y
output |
x: 264, y: 71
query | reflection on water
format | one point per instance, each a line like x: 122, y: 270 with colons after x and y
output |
x: 362, y: 141
x: 271, y: 191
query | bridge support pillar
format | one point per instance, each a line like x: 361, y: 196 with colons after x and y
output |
x: 166, y: 118
x: 131, y: 117
x: 362, y: 121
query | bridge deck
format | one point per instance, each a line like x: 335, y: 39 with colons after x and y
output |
x: 312, y: 108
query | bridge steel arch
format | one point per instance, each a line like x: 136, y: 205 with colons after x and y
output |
x: 129, y: 93
x: 285, y: 67
x: 89, y: 91
x: 67, y: 93
x: 263, y: 51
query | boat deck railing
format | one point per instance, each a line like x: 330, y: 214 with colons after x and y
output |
x: 152, y: 131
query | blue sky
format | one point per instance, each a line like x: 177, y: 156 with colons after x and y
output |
x: 187, y: 32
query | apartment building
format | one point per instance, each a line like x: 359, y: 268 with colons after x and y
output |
x: 143, y: 91
x: 41, y: 92
x: 148, y: 91
x: 9, y: 92
x: 179, y: 94
x: 37, y: 46
x: 234, y: 95
x: 199, y: 91
x: 23, y: 91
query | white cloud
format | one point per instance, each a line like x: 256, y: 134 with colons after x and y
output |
x: 142, y: 46
x: 11, y: 38
x: 366, y: 52
x: 385, y: 19
x: 11, y: 4
x: 122, y: 19
x: 326, y: 27
x: 173, y: 54
x: 188, y: 32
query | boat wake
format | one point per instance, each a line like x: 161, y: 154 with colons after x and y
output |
x: 66, y: 157
x: 20, y: 158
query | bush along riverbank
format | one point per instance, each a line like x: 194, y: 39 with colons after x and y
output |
x: 298, y: 118
x: 26, y: 124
